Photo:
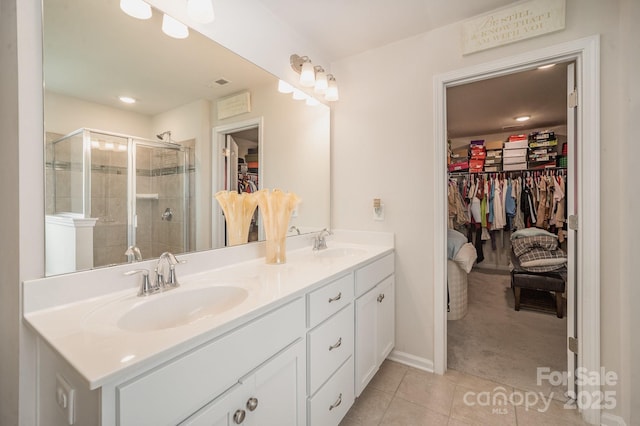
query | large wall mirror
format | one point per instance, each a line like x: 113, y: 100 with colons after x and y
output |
x: 145, y: 174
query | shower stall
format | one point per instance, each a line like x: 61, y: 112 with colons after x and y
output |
x: 106, y: 192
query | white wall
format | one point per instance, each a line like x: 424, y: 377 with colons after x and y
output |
x: 391, y: 139
x: 294, y: 144
x: 65, y: 114
x: 22, y: 192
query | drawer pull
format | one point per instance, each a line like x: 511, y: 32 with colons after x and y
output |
x: 336, y: 345
x: 338, y: 297
x: 252, y: 404
x: 380, y: 298
x: 238, y: 416
x: 335, y: 404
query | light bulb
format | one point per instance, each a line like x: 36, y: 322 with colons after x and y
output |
x: 321, y: 82
x: 307, y: 74
x: 332, y: 89
x: 174, y: 28
x: 200, y: 11
x: 136, y: 8
x: 299, y: 95
x: 311, y: 101
x: 127, y: 99
x: 284, y: 87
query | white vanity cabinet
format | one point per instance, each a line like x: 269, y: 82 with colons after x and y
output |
x: 374, y: 318
x: 270, y: 395
x: 174, y: 391
x: 330, y: 344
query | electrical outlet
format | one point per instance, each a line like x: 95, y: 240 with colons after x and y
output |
x: 65, y: 397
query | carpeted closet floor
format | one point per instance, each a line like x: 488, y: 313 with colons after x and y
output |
x: 495, y: 342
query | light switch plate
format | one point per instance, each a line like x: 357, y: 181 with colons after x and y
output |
x: 65, y: 397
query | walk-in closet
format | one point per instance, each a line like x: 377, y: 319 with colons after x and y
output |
x: 509, y: 175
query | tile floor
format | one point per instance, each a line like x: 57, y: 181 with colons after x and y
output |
x: 405, y: 396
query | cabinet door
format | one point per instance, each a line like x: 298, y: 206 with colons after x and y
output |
x: 279, y: 390
x: 273, y: 394
x: 385, y: 318
x: 226, y: 410
x: 366, y: 339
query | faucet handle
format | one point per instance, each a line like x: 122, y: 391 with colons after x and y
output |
x: 146, y: 288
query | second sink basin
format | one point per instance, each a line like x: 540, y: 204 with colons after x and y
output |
x: 171, y: 310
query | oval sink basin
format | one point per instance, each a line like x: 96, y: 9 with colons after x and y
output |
x: 172, y: 310
x: 338, y: 252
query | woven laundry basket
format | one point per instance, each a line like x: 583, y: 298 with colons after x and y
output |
x: 457, y: 281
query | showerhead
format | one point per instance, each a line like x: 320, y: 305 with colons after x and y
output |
x: 166, y: 134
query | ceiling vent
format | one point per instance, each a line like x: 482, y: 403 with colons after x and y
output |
x: 219, y: 82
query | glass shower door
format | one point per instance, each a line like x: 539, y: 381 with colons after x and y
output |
x: 160, y: 209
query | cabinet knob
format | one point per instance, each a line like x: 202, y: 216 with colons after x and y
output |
x: 252, y: 404
x: 335, y: 404
x: 336, y: 345
x: 336, y: 298
x: 238, y: 416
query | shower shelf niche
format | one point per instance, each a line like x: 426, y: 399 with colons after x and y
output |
x: 148, y: 196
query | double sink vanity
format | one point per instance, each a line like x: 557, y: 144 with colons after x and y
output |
x: 237, y: 342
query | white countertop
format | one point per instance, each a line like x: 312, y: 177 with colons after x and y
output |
x: 86, y: 335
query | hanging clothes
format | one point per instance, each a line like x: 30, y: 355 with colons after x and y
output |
x: 499, y: 214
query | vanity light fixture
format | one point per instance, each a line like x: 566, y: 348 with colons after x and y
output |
x: 311, y: 101
x: 307, y: 73
x: 201, y: 11
x: 284, y: 87
x: 321, y: 81
x: 136, y: 8
x: 332, y: 89
x: 174, y: 28
x: 298, y: 94
x: 316, y: 77
x: 523, y: 118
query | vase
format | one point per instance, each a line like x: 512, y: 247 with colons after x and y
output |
x: 238, y: 210
x: 276, y: 208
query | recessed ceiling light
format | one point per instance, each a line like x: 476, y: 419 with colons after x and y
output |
x: 523, y: 118
x: 127, y: 99
x: 544, y: 67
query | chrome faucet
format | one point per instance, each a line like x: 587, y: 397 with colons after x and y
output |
x: 133, y: 254
x: 294, y: 228
x: 163, y: 281
x: 319, y: 241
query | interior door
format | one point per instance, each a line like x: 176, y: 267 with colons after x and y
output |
x: 572, y: 232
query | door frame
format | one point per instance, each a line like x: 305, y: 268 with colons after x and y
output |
x: 218, y: 141
x: 586, y: 54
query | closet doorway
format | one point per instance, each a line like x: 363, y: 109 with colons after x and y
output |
x: 519, y: 172
x: 236, y: 161
x: 586, y: 174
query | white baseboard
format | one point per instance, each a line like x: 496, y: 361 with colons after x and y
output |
x: 411, y: 360
x: 608, y: 419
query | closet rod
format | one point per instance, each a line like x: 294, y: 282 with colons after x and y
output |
x: 468, y: 173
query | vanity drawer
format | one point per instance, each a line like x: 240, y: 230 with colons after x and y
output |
x: 333, y: 400
x: 368, y: 276
x: 173, y: 391
x: 330, y: 344
x: 329, y: 299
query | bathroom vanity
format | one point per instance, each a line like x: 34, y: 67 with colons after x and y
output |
x: 239, y: 342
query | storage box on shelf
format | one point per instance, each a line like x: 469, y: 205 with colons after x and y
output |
x: 478, y: 155
x: 514, y: 153
x: 542, y: 149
